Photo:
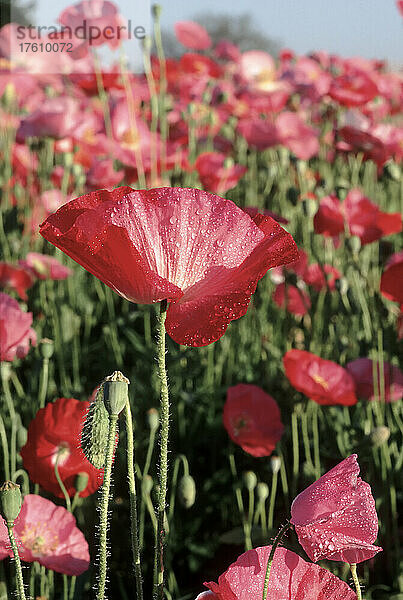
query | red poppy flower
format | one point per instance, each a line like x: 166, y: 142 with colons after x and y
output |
x: 55, y: 431
x: 293, y: 299
x: 335, y: 517
x: 215, y: 175
x: 252, y: 419
x: 45, y: 267
x: 47, y: 534
x: 323, y: 381
x: 354, y: 88
x: 329, y: 220
x: 16, y: 278
x: 258, y: 133
x: 366, y: 220
x: 291, y: 578
x: 321, y: 276
x: 392, y: 278
x: 15, y: 329
x: 199, y: 251
x: 192, y: 35
x: 361, y: 370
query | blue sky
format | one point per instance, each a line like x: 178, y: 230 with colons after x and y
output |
x: 369, y: 28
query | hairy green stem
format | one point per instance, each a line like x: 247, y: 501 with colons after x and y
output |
x: 271, y: 557
x: 18, y: 569
x: 103, y: 509
x: 133, y: 502
x: 163, y: 474
x: 353, y: 569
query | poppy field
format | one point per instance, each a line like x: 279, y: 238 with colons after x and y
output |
x: 201, y: 322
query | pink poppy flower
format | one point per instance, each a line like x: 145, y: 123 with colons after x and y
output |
x: 108, y: 26
x: 323, y: 381
x: 16, y: 278
x: 258, y: 69
x: 335, y: 517
x: 46, y: 203
x: 226, y: 50
x: 102, y: 170
x: 354, y: 88
x: 292, y: 298
x: 297, y: 136
x: 392, y: 278
x: 291, y: 578
x: 192, y: 35
x: 258, y: 133
x: 15, y: 330
x: 366, y: 220
x: 48, y: 534
x: 214, y: 175
x: 55, y: 117
x: 44, y: 266
x: 252, y: 419
x: 361, y: 370
x: 198, y: 251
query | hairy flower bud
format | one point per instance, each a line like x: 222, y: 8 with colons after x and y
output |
x: 115, y: 390
x: 94, y: 435
x: 10, y: 501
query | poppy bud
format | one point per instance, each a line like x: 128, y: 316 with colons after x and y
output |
x: 354, y: 243
x: 81, y: 482
x: 156, y: 11
x: 22, y: 436
x: 147, y: 485
x: 187, y: 491
x: 262, y: 491
x: 379, y: 435
x: 115, y: 392
x: 94, y: 435
x: 250, y: 480
x: 153, y: 419
x: 10, y: 501
x: 275, y: 463
x: 46, y: 348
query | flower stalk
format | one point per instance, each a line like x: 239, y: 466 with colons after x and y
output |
x: 353, y: 569
x: 271, y: 557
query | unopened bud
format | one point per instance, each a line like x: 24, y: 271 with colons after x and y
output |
x: 22, y: 436
x: 250, y: 480
x: 47, y: 348
x: 156, y: 11
x: 354, y: 243
x: 153, y: 419
x: 94, y: 435
x: 10, y: 501
x: 81, y: 482
x: 275, y: 463
x: 262, y: 491
x: 379, y: 435
x: 147, y: 485
x: 116, y: 394
x: 187, y: 491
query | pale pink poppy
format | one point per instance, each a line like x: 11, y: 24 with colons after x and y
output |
x: 47, y: 533
x: 44, y: 266
x: 16, y: 333
x: 291, y: 578
x: 258, y: 69
x: 335, y: 517
x: 192, y: 35
x: 297, y: 136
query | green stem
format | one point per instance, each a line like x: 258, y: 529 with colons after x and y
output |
x: 295, y: 451
x: 61, y: 484
x: 272, y: 499
x: 271, y: 557
x: 315, y: 432
x: 133, y: 502
x: 13, y: 416
x: 18, y: 569
x: 163, y: 474
x: 43, y: 386
x: 353, y: 569
x: 4, y: 443
x: 103, y: 509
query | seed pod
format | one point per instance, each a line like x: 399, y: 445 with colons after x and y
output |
x: 115, y: 389
x: 47, y: 348
x: 250, y: 480
x: 94, y: 435
x: 10, y: 501
x: 187, y: 491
